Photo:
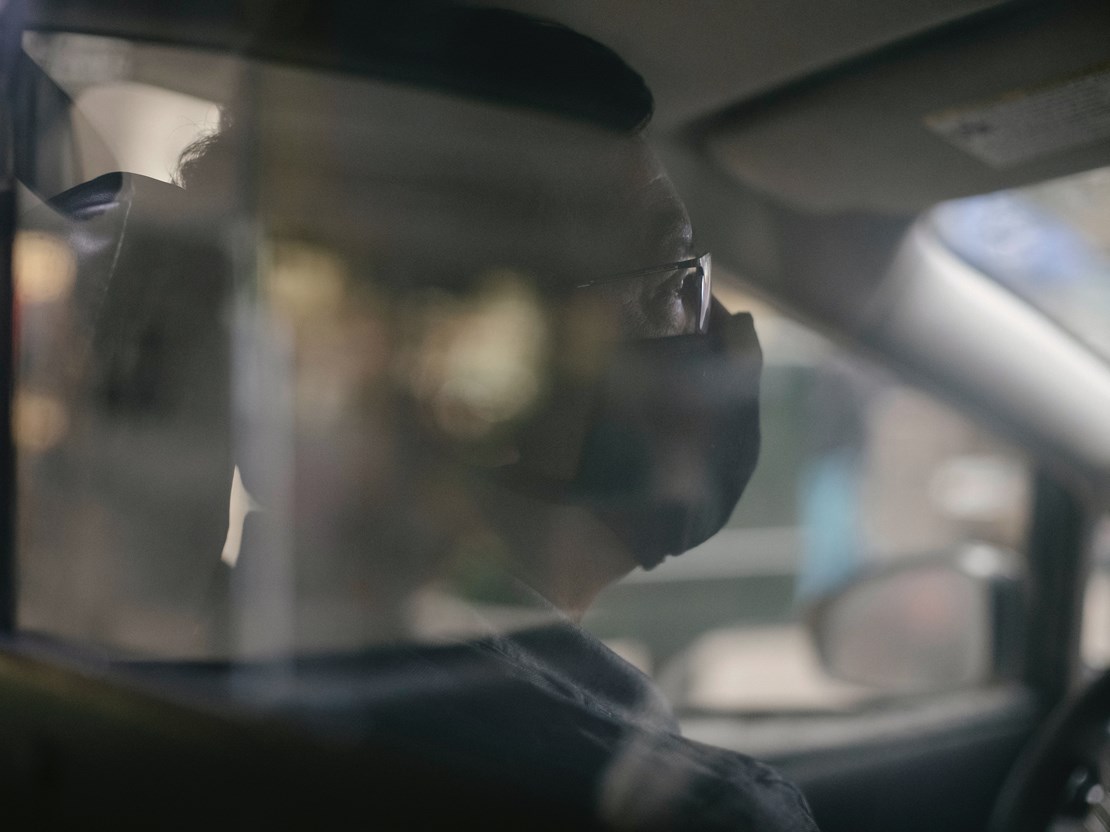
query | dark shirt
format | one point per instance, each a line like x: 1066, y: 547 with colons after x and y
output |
x: 605, y: 727
x: 553, y: 714
x: 546, y: 717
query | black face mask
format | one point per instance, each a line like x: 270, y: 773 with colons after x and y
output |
x: 671, y: 441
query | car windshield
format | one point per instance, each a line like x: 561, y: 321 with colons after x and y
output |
x: 1048, y: 243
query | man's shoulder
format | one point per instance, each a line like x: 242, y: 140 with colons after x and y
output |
x: 665, y: 781
x: 652, y: 777
x: 553, y: 714
x: 575, y: 662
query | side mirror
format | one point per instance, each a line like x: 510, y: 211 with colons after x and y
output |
x: 932, y: 623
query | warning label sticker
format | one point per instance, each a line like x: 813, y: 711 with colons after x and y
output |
x: 1026, y: 124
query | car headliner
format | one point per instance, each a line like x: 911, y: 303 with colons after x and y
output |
x: 822, y: 104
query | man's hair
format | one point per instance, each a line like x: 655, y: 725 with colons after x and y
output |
x: 523, y: 61
x: 495, y: 55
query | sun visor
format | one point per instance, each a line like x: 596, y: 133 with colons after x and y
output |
x: 1008, y: 100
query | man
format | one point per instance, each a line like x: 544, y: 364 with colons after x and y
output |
x: 477, y: 338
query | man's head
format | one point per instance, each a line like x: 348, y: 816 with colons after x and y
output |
x: 480, y: 284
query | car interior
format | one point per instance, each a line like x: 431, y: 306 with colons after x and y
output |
x: 906, y: 615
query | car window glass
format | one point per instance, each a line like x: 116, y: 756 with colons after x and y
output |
x: 280, y: 399
x: 1046, y: 242
x: 332, y: 394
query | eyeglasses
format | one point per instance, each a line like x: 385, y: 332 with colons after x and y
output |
x: 675, y: 297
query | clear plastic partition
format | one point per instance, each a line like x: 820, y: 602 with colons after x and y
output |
x: 308, y: 363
